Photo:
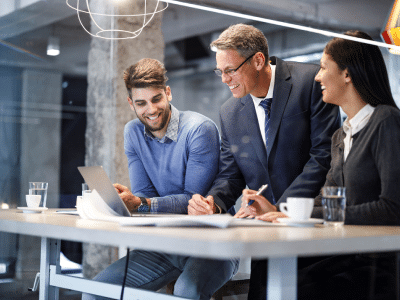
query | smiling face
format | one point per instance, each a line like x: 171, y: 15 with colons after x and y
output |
x: 246, y: 78
x: 333, y: 80
x: 152, y: 108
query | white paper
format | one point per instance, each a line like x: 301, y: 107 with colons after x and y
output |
x: 220, y: 220
x: 93, y: 207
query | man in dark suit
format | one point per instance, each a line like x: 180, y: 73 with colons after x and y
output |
x: 275, y: 129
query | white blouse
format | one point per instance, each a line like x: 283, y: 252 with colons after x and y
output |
x: 354, y: 125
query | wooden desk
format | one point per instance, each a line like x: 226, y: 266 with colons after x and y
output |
x: 281, y: 245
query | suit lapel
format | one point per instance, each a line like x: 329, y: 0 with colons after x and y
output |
x: 282, y: 90
x: 253, y: 130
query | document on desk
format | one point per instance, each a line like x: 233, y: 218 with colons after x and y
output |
x: 95, y: 208
x: 221, y: 221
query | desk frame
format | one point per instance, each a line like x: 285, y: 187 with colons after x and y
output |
x: 51, y: 279
x: 282, y: 279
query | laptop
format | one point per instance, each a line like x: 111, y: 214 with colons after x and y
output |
x: 98, y: 180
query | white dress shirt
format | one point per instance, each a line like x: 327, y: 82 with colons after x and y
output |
x: 259, y: 109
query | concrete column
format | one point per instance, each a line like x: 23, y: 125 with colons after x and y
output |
x: 108, y: 109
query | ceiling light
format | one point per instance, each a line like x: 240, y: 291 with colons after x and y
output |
x: 53, y: 46
x: 112, y: 33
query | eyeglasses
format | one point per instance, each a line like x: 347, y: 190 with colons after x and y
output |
x: 231, y: 72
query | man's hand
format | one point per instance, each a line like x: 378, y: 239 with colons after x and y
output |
x: 131, y: 201
x: 260, y: 205
x: 199, y: 205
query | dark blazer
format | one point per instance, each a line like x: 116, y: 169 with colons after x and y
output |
x: 301, y: 127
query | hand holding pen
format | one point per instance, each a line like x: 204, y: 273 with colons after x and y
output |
x: 259, y: 192
x: 250, y: 211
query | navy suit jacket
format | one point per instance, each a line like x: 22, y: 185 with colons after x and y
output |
x: 298, y: 156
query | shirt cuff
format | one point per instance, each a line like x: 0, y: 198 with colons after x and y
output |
x: 218, y: 209
x: 153, y: 205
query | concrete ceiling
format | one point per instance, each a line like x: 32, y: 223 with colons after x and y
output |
x: 25, y: 26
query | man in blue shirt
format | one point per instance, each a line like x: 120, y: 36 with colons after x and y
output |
x: 171, y: 156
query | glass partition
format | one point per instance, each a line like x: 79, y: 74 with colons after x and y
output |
x: 43, y: 101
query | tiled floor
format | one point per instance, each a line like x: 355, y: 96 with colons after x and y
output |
x: 18, y: 290
x: 15, y: 291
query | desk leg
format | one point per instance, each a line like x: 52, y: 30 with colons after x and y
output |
x: 282, y: 278
x: 49, y: 255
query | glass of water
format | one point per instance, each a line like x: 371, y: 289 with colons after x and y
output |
x: 334, y: 205
x: 39, y: 188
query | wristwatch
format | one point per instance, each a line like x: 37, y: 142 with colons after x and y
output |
x: 143, y: 207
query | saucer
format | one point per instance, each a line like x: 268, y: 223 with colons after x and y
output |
x: 308, y: 222
x: 32, y: 210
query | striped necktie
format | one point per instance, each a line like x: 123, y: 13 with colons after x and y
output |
x: 266, y: 104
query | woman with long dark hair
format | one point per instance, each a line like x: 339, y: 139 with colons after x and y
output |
x: 365, y: 160
x: 365, y: 151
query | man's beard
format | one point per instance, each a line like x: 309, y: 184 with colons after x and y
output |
x: 164, y: 120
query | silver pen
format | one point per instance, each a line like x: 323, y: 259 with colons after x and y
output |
x: 260, y: 190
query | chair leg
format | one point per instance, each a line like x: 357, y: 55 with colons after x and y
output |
x: 371, y: 294
x: 397, y: 275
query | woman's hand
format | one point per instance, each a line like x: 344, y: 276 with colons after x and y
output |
x: 272, y: 216
x: 260, y: 205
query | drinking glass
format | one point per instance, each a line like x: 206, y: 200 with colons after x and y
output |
x: 39, y: 188
x: 334, y: 205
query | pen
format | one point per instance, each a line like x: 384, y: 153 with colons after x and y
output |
x: 260, y: 190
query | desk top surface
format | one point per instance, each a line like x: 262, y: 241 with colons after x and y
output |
x: 257, y: 242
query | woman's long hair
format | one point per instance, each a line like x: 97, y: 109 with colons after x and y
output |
x: 365, y: 65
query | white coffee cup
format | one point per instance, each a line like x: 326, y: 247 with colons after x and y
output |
x: 297, y: 208
x: 33, y: 201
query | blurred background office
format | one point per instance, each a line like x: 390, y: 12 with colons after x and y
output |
x: 63, y: 103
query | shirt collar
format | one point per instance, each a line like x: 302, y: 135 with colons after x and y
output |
x: 270, y: 93
x: 359, y: 121
x: 172, y: 129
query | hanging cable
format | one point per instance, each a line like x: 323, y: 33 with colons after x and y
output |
x: 126, y: 271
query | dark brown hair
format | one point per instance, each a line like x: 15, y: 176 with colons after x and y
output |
x: 147, y: 72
